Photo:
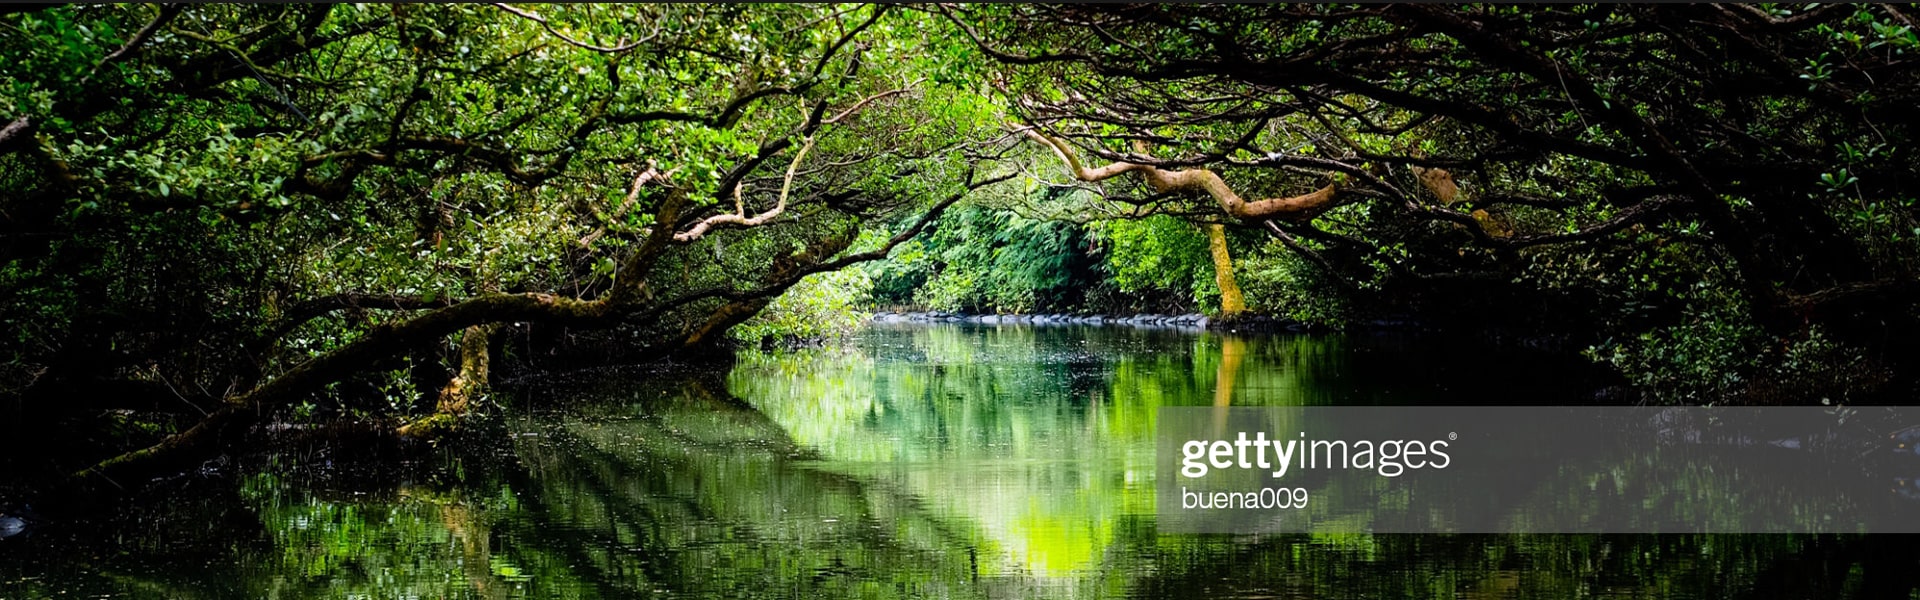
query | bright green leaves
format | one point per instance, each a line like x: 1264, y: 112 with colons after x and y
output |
x: 988, y: 260
x: 1838, y: 182
x: 1158, y: 253
x: 821, y: 306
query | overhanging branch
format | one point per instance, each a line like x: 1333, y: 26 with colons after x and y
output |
x: 1292, y: 208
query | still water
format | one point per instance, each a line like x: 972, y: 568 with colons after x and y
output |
x: 913, y: 461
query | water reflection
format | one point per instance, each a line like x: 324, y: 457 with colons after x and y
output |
x: 915, y: 462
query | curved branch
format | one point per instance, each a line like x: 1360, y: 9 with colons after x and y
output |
x: 865, y: 101
x: 1292, y: 243
x: 1885, y: 290
x: 167, y: 13
x: 308, y: 310
x: 633, y: 196
x: 535, y: 17
x: 947, y: 10
x: 1293, y: 208
x: 740, y: 218
x: 728, y: 293
x: 1632, y: 215
x: 335, y: 365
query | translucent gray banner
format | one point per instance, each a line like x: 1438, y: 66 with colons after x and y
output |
x: 1538, y: 470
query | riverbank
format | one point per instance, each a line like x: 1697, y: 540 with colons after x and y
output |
x: 1189, y: 321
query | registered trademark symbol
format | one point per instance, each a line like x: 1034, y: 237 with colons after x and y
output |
x: 1453, y: 436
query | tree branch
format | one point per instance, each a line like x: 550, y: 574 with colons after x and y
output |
x: 167, y: 13
x: 740, y: 218
x: 15, y: 135
x: 308, y: 310
x: 633, y: 196
x: 1312, y: 256
x: 1292, y: 208
x: 619, y: 47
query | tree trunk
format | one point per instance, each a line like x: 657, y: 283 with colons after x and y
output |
x: 456, y: 399
x: 624, y: 301
x: 198, y: 442
x: 1232, y: 302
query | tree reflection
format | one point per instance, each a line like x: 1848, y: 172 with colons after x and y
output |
x: 925, y: 462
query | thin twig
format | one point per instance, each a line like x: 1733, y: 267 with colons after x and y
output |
x: 167, y: 13
x: 620, y: 46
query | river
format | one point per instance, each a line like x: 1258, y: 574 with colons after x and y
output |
x: 911, y: 461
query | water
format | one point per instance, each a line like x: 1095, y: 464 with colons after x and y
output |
x: 949, y: 461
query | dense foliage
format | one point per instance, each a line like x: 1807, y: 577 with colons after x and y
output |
x: 984, y: 259
x: 1707, y: 194
x: 239, y: 211
x: 215, y: 216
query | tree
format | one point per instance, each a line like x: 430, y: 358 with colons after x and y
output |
x: 1489, y: 143
x: 1171, y: 181
x: 277, y: 201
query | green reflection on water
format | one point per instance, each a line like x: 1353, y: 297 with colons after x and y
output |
x: 915, y: 462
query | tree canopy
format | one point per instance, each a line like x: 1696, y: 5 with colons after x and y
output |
x: 231, y: 214
x: 1735, y: 173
